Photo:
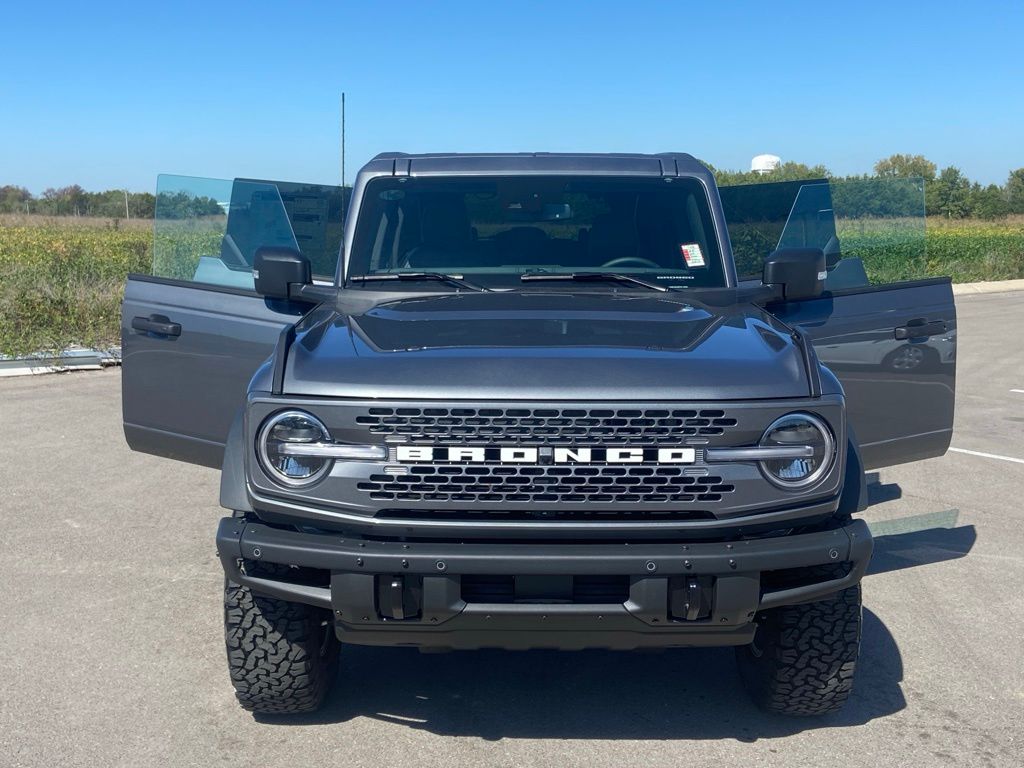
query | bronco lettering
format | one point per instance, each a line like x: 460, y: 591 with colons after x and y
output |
x: 532, y: 455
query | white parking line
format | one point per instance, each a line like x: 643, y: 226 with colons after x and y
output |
x: 1018, y: 391
x: 988, y: 455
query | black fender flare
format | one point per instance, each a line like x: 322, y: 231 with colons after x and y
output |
x: 854, y: 497
x: 233, y: 491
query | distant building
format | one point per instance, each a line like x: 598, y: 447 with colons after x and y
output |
x: 765, y: 163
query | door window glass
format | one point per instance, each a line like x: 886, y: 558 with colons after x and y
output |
x: 756, y: 216
x: 208, y: 230
x: 871, y: 230
x: 879, y: 232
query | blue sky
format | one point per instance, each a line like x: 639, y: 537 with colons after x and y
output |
x: 108, y: 95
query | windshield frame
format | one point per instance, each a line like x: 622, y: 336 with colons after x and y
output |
x: 715, y: 235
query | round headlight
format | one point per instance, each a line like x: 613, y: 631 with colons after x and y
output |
x: 798, y: 430
x: 291, y: 428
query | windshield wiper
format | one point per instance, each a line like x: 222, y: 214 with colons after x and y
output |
x: 610, y: 277
x: 438, y: 276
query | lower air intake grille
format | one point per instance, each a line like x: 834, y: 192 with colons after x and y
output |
x: 529, y: 514
x: 579, y: 485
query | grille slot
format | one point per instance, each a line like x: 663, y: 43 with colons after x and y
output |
x: 588, y: 590
x: 550, y: 426
x: 478, y: 484
x: 556, y: 514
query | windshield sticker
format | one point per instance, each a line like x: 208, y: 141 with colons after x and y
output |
x: 692, y: 255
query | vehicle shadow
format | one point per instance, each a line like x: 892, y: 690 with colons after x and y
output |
x: 676, y: 694
x: 684, y: 694
x: 907, y: 542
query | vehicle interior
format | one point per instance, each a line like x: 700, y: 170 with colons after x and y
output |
x: 527, y: 224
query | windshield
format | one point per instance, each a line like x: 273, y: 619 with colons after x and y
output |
x: 500, y: 228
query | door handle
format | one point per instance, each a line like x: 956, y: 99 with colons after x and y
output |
x: 157, y: 324
x: 919, y: 328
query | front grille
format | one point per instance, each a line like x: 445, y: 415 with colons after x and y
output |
x: 547, y: 484
x: 550, y: 426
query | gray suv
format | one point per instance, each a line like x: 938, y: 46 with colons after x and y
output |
x: 527, y: 401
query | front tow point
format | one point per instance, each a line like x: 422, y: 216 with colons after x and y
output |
x: 394, y: 590
x: 690, y: 597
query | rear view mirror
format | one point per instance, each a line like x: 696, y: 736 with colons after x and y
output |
x: 277, y: 269
x: 798, y: 272
x: 546, y: 212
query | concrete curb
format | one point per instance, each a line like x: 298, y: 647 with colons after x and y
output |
x: 74, y: 359
x: 996, y: 286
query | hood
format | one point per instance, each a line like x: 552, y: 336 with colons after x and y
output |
x: 545, y: 346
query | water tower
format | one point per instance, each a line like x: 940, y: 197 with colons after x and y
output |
x: 763, y: 164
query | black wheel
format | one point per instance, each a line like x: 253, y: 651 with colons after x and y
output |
x: 803, y: 657
x: 910, y: 357
x: 282, y: 656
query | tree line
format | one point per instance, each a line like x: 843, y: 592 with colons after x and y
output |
x: 75, y: 201
x: 947, y: 193
x: 112, y: 204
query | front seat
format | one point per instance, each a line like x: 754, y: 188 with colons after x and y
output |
x: 446, y: 236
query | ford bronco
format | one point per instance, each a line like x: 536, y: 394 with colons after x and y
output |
x: 530, y: 401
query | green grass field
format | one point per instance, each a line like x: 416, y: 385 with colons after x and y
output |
x: 61, y: 279
x: 62, y: 284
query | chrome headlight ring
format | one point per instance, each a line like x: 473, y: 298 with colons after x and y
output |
x: 798, y: 429
x: 295, y: 449
x: 287, y: 429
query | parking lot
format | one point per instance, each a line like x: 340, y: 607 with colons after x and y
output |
x: 111, y: 646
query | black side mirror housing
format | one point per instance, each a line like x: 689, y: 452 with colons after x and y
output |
x: 798, y: 272
x: 277, y: 269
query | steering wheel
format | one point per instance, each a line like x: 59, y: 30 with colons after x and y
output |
x: 631, y: 261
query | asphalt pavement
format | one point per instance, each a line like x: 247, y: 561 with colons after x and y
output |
x: 111, y: 650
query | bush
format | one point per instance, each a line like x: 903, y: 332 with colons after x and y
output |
x: 61, y: 286
x: 975, y: 253
x: 967, y: 253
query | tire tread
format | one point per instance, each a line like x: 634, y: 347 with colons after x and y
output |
x: 274, y: 650
x: 808, y: 656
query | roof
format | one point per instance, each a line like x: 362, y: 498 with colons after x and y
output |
x: 617, y: 164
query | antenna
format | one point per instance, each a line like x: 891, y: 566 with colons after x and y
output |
x: 343, y: 157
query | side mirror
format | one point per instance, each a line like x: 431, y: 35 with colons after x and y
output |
x: 799, y: 272
x: 276, y: 269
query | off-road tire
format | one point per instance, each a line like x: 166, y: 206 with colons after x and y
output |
x: 282, y: 656
x: 803, y: 657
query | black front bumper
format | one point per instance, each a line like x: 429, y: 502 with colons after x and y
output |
x: 398, y: 593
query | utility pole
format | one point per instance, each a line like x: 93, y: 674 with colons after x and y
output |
x: 127, y: 215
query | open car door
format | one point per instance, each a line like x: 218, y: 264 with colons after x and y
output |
x: 194, y: 332
x: 890, y: 341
